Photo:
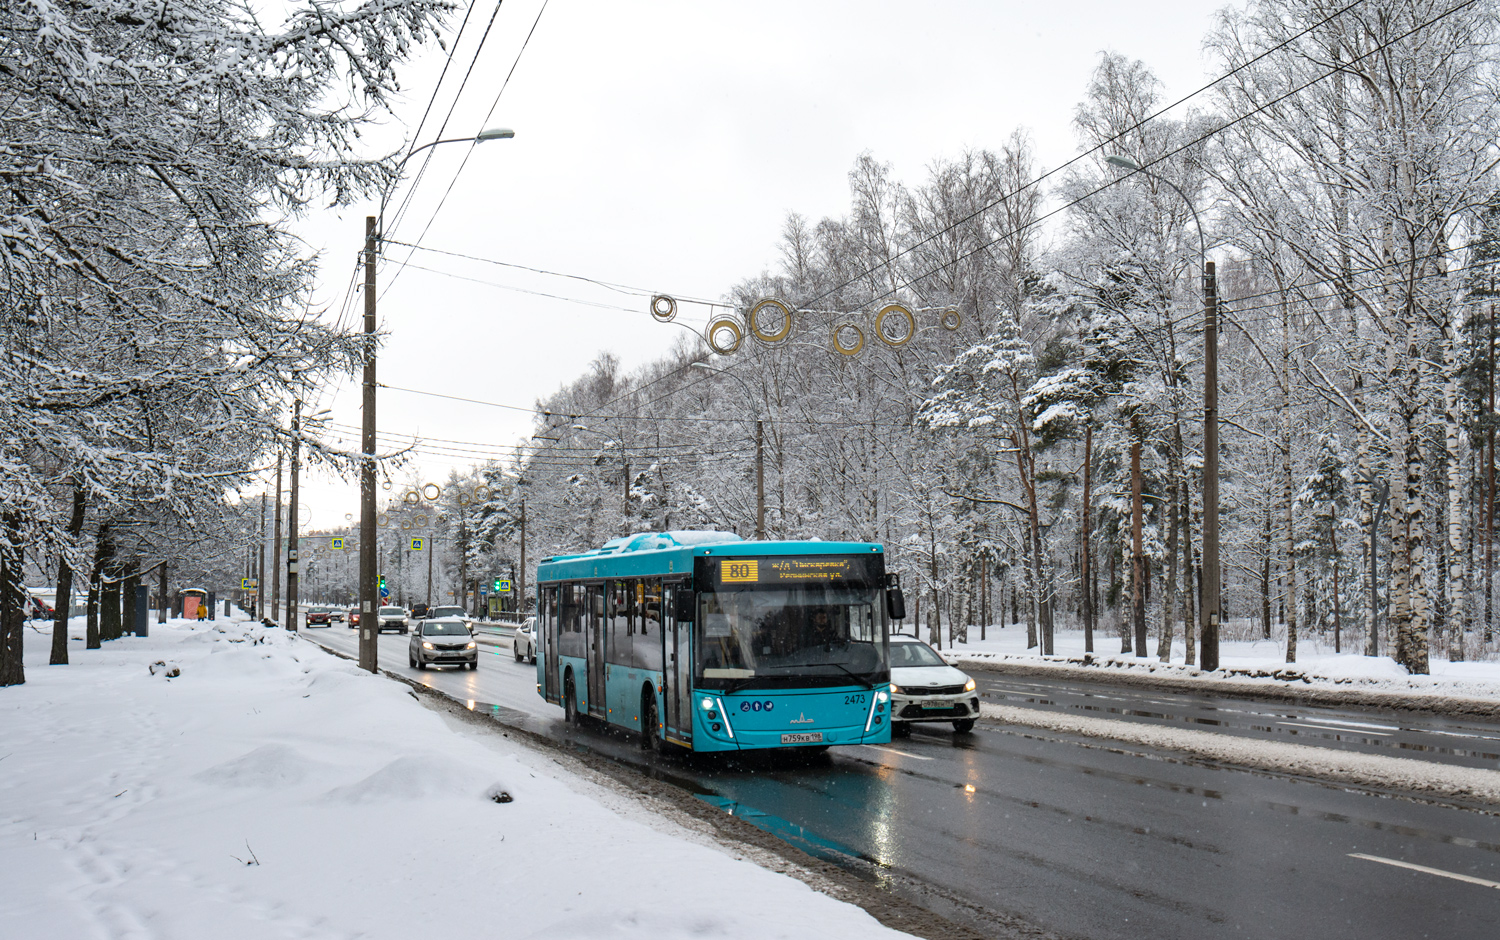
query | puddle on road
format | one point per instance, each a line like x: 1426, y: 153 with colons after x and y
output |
x: 815, y: 845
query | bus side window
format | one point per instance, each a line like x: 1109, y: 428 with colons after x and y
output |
x: 648, y: 626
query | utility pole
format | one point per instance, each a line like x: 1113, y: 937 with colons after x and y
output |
x: 760, y: 481
x: 369, y: 651
x: 291, y: 524
x: 427, y: 544
x: 520, y: 584
x: 1137, y: 560
x: 1209, y: 655
x: 260, y: 561
x: 276, y: 545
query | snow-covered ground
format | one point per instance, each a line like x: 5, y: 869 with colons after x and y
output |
x: 271, y: 790
x: 1255, y: 661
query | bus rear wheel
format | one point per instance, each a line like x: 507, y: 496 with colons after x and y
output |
x: 649, y: 740
x: 570, y: 702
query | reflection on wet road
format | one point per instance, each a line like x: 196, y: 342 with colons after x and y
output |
x: 1079, y: 836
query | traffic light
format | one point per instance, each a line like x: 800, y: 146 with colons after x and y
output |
x: 382, y: 582
x: 497, y: 586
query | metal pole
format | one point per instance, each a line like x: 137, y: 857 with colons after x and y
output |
x: 1209, y: 657
x: 291, y: 524
x: 1137, y: 559
x: 760, y: 481
x: 520, y: 584
x: 369, y: 652
x: 260, y: 561
x: 276, y: 546
x: 427, y: 544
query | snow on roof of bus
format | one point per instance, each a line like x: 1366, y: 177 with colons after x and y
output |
x: 653, y: 541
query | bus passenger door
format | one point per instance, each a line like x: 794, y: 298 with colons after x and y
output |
x: 677, y: 672
x: 595, y: 628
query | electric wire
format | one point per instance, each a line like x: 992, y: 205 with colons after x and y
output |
x: 469, y: 152
x: 400, y: 213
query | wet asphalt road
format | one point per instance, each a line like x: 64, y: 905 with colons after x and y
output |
x: 1077, y: 836
x: 1464, y: 742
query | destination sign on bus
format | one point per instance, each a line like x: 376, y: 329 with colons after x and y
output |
x: 817, y: 569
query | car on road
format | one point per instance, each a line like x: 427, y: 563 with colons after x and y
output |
x: 335, y: 615
x: 393, y: 618
x: 418, y: 611
x: 319, y: 616
x: 443, y: 642
x: 925, y: 688
x: 523, y: 644
x: 353, y: 617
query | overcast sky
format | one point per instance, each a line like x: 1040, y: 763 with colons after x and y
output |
x: 659, y: 146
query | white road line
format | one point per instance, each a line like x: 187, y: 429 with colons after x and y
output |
x: 877, y: 747
x: 1431, y: 871
x: 1357, y: 724
x: 1303, y: 724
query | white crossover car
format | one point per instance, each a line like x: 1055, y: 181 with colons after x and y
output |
x: 924, y: 688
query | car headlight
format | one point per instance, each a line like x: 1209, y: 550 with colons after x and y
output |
x: 969, y: 686
x: 471, y: 645
x: 426, y: 645
x: 895, y: 689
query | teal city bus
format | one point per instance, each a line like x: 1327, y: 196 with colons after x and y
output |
x: 711, y: 643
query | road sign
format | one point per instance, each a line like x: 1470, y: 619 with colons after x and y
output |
x: 502, y: 585
x: 416, y: 544
x: 337, y: 544
x: 248, y: 584
x: 384, y: 593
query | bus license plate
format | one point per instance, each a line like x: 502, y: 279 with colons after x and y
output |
x: 803, y: 737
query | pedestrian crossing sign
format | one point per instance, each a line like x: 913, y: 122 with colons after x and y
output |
x: 416, y: 544
x: 337, y: 544
x: 248, y: 584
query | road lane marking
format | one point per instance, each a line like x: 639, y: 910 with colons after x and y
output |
x: 1431, y: 871
x: 1354, y: 724
x: 1302, y: 724
x: 892, y: 750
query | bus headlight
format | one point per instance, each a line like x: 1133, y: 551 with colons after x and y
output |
x: 707, y: 703
x: 883, y: 696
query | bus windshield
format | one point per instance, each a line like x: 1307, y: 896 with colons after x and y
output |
x: 814, y: 634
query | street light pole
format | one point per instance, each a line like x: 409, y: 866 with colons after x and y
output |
x: 1209, y: 608
x: 369, y: 602
x: 760, y: 451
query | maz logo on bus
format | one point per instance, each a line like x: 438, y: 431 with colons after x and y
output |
x: 756, y: 706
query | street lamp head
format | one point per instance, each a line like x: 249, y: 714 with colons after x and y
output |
x: 1125, y: 163
x: 496, y: 133
x: 704, y: 366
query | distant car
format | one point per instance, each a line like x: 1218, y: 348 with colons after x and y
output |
x: 924, y: 688
x: 418, y: 611
x: 335, y: 615
x: 524, y: 641
x: 353, y: 618
x: 436, y: 613
x: 393, y: 618
x: 318, y: 617
x: 444, y: 642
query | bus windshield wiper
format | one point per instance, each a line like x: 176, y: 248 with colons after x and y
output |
x: 853, y: 675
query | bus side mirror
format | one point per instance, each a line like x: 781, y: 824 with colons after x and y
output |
x: 895, y: 604
x: 684, y: 602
